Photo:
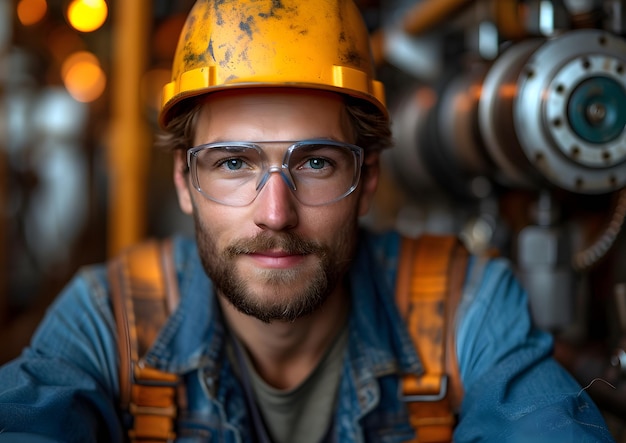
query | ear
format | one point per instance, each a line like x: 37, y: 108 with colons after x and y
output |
x: 181, y: 181
x: 369, y: 181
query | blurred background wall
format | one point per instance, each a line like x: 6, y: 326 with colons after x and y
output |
x: 510, y: 124
x: 79, y: 91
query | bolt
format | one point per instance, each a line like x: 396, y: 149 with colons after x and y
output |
x: 596, y: 112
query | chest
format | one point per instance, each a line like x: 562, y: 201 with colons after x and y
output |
x: 217, y: 410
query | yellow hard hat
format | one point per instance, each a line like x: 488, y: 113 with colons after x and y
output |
x: 316, y: 44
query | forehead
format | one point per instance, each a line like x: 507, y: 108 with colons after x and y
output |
x: 272, y: 114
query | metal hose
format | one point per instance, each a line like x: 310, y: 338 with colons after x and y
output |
x: 588, y: 257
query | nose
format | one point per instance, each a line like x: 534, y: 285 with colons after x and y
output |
x: 275, y: 206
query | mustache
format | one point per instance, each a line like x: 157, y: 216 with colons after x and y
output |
x: 289, y: 242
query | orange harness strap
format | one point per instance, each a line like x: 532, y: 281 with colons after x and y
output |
x: 144, y: 292
x: 430, y: 279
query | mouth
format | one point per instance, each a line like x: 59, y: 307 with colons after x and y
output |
x: 276, y: 252
x: 276, y: 259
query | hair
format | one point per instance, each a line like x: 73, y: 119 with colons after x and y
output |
x: 371, y: 129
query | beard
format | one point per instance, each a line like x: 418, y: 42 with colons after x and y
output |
x: 292, y: 293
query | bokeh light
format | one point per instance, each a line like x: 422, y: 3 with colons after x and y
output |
x: 87, y: 15
x: 83, y: 77
x: 30, y: 12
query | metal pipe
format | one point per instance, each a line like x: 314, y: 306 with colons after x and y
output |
x: 6, y: 31
x: 584, y: 260
x: 427, y: 14
x: 377, y: 39
x: 509, y: 20
x: 129, y: 150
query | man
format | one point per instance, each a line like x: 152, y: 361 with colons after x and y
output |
x: 287, y: 329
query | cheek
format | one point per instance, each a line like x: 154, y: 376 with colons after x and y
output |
x: 222, y: 223
x: 330, y: 221
x: 338, y: 231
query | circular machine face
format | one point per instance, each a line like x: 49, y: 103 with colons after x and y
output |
x: 570, y: 111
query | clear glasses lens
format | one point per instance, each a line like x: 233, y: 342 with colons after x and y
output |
x: 317, y: 171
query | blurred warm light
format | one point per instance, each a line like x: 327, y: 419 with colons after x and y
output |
x: 508, y: 91
x: 87, y: 15
x: 476, y: 91
x: 78, y: 57
x: 30, y: 12
x: 83, y: 77
x: 425, y: 98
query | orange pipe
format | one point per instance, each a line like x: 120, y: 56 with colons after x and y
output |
x: 509, y: 19
x: 377, y: 39
x: 429, y: 13
x: 129, y: 150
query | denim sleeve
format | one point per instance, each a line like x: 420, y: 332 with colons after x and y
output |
x: 64, y: 385
x: 514, y: 390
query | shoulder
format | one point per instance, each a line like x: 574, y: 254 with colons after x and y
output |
x: 68, y: 373
x: 506, y: 366
x: 85, y: 302
x: 491, y: 289
x: 494, y: 322
x: 87, y: 291
x: 81, y: 312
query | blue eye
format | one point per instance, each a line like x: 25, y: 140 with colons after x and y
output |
x: 234, y: 164
x: 317, y: 163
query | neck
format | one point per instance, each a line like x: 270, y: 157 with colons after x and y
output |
x: 285, y: 353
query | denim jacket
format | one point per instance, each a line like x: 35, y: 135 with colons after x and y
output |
x: 64, y: 386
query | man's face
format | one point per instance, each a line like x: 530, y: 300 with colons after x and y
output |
x: 276, y: 258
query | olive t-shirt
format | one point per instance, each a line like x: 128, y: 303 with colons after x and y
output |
x: 303, y: 413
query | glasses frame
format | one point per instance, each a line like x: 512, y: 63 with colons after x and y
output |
x: 283, y: 169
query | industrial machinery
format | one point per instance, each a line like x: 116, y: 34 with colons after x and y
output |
x: 510, y: 125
